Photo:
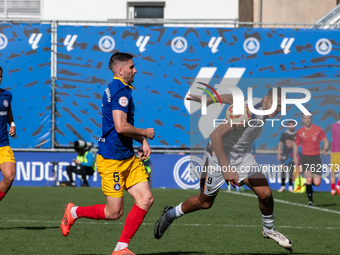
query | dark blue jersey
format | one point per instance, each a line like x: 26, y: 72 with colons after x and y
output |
x: 117, y: 96
x: 5, y: 104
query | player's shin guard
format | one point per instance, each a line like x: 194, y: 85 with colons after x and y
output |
x: 2, y: 195
x: 91, y: 212
x: 133, y: 220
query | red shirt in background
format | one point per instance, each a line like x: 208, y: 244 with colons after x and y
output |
x: 310, y: 139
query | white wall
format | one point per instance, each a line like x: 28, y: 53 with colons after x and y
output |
x: 103, y: 10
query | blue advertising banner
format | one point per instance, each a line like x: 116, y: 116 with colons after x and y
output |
x: 171, y: 61
x: 25, y: 57
x: 169, y: 171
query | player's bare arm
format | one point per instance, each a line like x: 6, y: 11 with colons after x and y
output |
x: 325, y: 146
x: 279, y: 151
x: 10, y: 120
x: 145, y: 146
x: 125, y: 128
x: 295, y: 152
x: 225, y: 98
x: 216, y: 138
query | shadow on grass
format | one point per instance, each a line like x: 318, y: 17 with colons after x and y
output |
x: 327, y: 205
x: 28, y: 228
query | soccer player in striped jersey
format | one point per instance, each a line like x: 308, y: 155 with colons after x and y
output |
x: 231, y: 150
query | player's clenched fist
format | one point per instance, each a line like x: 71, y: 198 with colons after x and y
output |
x: 149, y: 133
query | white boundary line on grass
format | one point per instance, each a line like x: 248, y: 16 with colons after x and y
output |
x: 286, y: 202
x: 174, y: 224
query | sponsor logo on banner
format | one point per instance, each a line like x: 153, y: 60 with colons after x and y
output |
x: 142, y: 42
x: 34, y: 40
x: 69, y: 41
x: 185, y: 172
x: 214, y: 43
x: 179, y: 44
x: 3, y: 41
x: 286, y: 44
x: 251, y: 45
x: 106, y: 43
x: 323, y: 46
x: 6, y: 103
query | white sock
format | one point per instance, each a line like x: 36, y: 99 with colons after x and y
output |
x: 121, y: 246
x: 174, y: 213
x: 73, y: 212
x: 268, y: 222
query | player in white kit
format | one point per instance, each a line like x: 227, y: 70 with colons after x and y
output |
x: 228, y: 158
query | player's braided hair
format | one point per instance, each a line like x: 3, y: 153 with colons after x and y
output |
x: 119, y: 57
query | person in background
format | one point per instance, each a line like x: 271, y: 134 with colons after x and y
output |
x: 7, y: 161
x: 290, y: 134
x: 310, y: 136
x: 147, y: 163
x: 85, y: 164
x: 335, y: 157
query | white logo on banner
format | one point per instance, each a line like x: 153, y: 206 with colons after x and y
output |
x: 69, y: 41
x: 185, y: 173
x: 323, y: 46
x: 179, y: 44
x: 106, y: 43
x: 286, y: 44
x: 251, y: 45
x: 34, y: 40
x: 142, y: 43
x: 213, y: 44
x: 3, y: 41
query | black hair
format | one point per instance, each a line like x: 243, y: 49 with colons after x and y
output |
x: 1, y: 69
x: 119, y: 57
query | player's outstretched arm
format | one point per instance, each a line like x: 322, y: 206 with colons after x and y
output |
x: 10, y: 120
x: 216, y: 140
x: 295, y: 152
x: 125, y: 128
x: 225, y: 98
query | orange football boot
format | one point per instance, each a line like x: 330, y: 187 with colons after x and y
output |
x: 68, y: 220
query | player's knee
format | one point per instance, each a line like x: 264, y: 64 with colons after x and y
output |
x: 114, y: 215
x: 146, y: 202
x: 266, y: 196
x: 8, y: 179
x: 206, y: 204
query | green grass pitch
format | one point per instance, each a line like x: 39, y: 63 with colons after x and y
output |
x: 30, y: 218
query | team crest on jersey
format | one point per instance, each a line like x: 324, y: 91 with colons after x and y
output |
x: 116, y: 187
x: 123, y: 101
x: 6, y: 103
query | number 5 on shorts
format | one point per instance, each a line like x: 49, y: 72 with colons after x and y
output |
x: 116, y: 177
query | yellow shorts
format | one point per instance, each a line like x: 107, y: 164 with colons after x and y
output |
x: 6, y: 155
x: 335, y: 161
x: 118, y: 175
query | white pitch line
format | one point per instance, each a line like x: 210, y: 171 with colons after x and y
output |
x: 174, y: 224
x: 287, y: 202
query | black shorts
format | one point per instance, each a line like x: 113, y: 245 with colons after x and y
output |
x: 311, y: 163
